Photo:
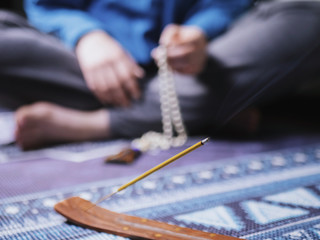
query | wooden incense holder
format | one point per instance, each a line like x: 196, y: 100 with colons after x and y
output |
x: 82, y: 212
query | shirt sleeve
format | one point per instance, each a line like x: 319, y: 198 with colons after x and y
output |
x: 66, y: 19
x: 214, y: 16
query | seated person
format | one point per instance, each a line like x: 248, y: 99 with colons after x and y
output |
x: 105, y: 84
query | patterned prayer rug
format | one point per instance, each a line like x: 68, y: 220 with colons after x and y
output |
x: 73, y: 152
x: 7, y: 127
x: 273, y: 195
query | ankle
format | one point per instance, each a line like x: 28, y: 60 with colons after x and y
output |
x: 97, y: 124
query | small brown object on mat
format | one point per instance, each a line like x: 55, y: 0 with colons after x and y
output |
x: 103, y: 220
x: 126, y: 156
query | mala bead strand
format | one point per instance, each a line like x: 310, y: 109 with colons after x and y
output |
x: 172, y: 122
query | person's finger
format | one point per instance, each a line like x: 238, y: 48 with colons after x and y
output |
x: 179, y: 57
x: 169, y: 35
x: 87, y: 75
x: 101, y: 86
x: 188, y: 70
x: 127, y: 79
x: 115, y: 89
x: 138, y: 72
x: 154, y: 53
x: 180, y: 51
x: 91, y: 79
x: 135, y: 68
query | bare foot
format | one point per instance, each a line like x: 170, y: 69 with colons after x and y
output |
x: 44, y: 123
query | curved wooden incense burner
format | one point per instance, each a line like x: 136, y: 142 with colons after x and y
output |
x: 83, y: 213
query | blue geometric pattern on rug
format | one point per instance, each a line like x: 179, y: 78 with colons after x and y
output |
x: 265, y: 213
x: 220, y: 217
x: 273, y: 195
x: 298, y: 197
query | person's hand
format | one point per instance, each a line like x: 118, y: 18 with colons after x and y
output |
x: 186, y: 48
x: 109, y: 71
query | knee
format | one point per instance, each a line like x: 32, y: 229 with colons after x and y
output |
x: 16, y: 45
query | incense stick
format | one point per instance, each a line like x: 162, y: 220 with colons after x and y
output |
x: 152, y: 170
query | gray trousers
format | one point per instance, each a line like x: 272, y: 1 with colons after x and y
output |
x: 270, y: 51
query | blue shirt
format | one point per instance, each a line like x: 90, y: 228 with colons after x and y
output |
x: 135, y: 24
